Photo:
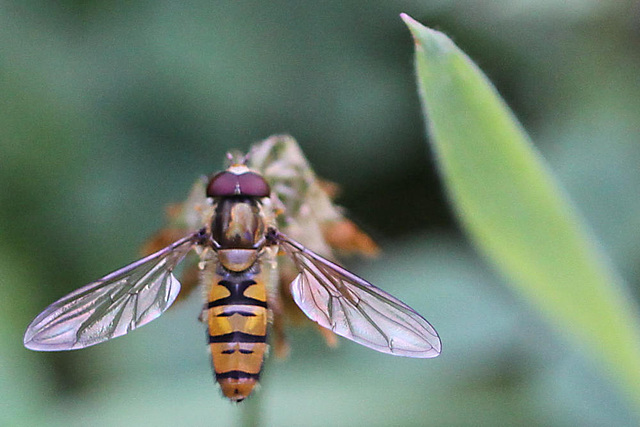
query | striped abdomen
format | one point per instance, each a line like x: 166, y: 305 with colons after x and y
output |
x: 237, y: 322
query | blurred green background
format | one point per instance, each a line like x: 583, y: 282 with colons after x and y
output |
x: 110, y: 110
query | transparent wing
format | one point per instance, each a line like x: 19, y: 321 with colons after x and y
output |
x: 355, y: 309
x: 112, y: 306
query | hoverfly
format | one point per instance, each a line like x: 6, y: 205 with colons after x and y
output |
x: 237, y: 222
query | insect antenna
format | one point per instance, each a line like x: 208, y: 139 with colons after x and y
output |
x: 236, y: 158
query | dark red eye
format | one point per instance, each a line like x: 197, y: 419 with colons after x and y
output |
x: 223, y: 184
x: 226, y: 184
x: 254, y: 185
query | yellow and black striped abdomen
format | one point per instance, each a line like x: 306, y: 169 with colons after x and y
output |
x: 237, y: 322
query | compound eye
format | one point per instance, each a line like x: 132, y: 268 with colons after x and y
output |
x: 223, y: 184
x: 250, y: 184
x: 253, y: 185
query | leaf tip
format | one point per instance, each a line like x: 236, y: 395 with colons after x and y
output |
x: 412, y: 24
x: 432, y: 41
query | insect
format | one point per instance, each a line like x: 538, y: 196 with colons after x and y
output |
x: 239, y: 242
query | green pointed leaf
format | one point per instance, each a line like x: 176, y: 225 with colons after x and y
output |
x: 516, y: 213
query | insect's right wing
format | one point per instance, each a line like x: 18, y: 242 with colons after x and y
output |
x: 112, y: 306
x: 355, y: 309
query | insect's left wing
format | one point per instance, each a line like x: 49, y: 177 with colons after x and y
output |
x: 355, y: 309
x: 112, y: 306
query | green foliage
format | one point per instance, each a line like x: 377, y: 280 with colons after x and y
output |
x: 515, y: 211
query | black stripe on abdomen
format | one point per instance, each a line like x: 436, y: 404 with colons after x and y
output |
x: 242, y: 351
x: 236, y: 375
x: 232, y: 312
x: 236, y: 337
x: 237, y: 297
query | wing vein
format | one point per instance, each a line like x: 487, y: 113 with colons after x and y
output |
x: 355, y: 309
x: 113, y: 305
